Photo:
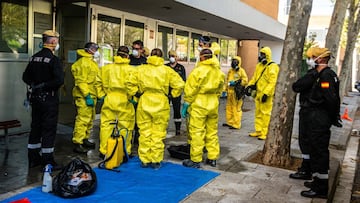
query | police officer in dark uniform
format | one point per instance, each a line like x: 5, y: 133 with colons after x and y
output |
x: 321, y: 109
x: 176, y: 101
x: 44, y: 75
x: 303, y: 86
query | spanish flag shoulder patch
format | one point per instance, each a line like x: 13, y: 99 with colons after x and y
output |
x: 325, y: 85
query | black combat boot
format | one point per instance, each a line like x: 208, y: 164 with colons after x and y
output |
x: 191, y: 164
x: 81, y: 149
x: 304, y: 172
x: 88, y: 144
x: 34, y: 157
x: 211, y: 162
x: 319, y: 189
x: 48, y: 158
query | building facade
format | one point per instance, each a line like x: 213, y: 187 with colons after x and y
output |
x: 240, y: 28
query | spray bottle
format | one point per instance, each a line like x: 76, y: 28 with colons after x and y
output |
x: 47, y: 179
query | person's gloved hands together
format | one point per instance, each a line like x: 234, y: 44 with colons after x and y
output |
x: 264, y: 98
x: 232, y: 83
x: 101, y: 100
x: 132, y: 101
x: 89, y: 101
x: 184, y: 109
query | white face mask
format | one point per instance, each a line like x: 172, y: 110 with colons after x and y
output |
x: 311, y: 62
x: 200, y: 48
x: 57, y: 47
x: 172, y: 60
x: 96, y: 54
x: 135, y: 53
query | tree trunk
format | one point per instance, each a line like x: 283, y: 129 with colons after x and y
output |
x: 334, y: 33
x: 353, y: 31
x: 276, y: 150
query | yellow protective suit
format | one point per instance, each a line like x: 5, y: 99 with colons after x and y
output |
x: 111, y: 79
x: 265, y: 85
x: 215, y: 48
x: 233, y: 106
x: 202, y: 91
x: 84, y: 71
x: 153, y: 110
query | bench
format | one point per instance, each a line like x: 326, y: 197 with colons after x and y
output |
x: 5, y: 125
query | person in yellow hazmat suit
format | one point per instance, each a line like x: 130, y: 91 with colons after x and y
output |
x: 264, y: 79
x: 152, y: 82
x: 201, y: 102
x: 117, y: 103
x: 85, y: 70
x: 205, y: 43
x: 235, y: 76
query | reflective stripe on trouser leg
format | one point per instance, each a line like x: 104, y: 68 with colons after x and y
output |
x: 34, y: 146
x: 47, y: 150
x: 321, y: 175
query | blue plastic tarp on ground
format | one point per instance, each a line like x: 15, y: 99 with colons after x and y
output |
x: 170, y: 183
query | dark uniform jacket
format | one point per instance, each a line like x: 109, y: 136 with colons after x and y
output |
x: 180, y: 69
x: 44, y: 68
x: 137, y: 61
x: 322, y: 91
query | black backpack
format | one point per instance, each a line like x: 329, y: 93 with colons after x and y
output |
x: 77, y: 179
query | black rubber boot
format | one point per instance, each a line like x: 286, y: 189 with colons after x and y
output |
x: 48, y: 158
x: 79, y: 148
x: 191, y: 164
x: 177, y: 128
x: 304, y: 172
x: 34, y: 157
x: 88, y: 144
x: 319, y: 189
x: 211, y: 162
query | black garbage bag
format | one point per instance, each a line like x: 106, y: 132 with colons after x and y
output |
x: 77, y: 179
x: 179, y: 151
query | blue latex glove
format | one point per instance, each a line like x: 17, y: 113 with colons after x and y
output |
x: 89, y: 101
x: 232, y: 83
x: 101, y: 100
x: 184, y: 109
x: 132, y: 101
x: 223, y: 94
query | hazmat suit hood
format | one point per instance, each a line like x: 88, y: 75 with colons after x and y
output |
x: 212, y: 61
x: 267, y: 52
x: 155, y: 60
x: 215, y: 48
x: 121, y: 60
x: 83, y: 53
x: 238, y: 59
